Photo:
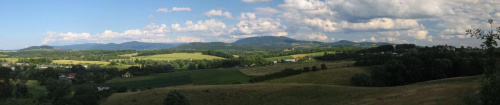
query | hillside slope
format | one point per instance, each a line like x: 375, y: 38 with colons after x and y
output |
x: 447, y: 91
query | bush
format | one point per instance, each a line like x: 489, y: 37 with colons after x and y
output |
x: 360, y: 79
x: 134, y: 89
x: 175, y: 98
x: 315, y: 68
x: 323, y: 67
x: 306, y: 69
x: 121, y: 89
x: 490, y: 92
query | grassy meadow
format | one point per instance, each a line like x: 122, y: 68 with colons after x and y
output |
x: 175, y: 56
x: 446, y: 91
x: 263, y: 70
x: 79, y: 62
x: 195, y: 77
x: 13, y: 60
x: 333, y: 76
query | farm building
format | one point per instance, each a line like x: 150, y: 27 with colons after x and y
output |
x: 290, y: 60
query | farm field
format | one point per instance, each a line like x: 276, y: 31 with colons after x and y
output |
x: 129, y: 55
x: 332, y: 76
x: 299, y: 55
x: 175, y: 56
x: 79, y: 62
x: 13, y: 60
x: 2, y: 55
x: 263, y: 70
x: 449, y: 91
x: 196, y: 77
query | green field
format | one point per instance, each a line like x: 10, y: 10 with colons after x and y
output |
x: 263, y: 70
x: 129, y: 55
x: 2, y: 55
x: 197, y: 77
x: 13, y: 60
x: 439, y: 92
x: 333, y: 76
x: 79, y: 62
x: 298, y: 56
x: 175, y: 56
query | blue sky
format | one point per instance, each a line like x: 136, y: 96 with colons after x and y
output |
x: 63, y: 22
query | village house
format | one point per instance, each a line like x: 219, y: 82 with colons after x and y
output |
x: 102, y: 88
x: 5, y: 64
x: 290, y: 60
x: 126, y: 75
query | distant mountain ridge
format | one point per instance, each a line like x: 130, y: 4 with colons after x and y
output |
x: 272, y: 42
x: 133, y: 45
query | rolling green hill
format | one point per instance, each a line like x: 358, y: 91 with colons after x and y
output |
x: 450, y: 91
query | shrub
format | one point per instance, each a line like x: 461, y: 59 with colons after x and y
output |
x: 360, y: 79
x: 323, y: 67
x: 315, y: 68
x: 306, y: 69
x: 134, y: 89
x: 175, y: 98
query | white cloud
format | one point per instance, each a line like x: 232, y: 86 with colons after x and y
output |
x: 373, y: 39
x: 162, y: 10
x: 266, y: 10
x: 150, y: 31
x: 325, y: 25
x: 261, y: 26
x: 254, y: 1
x: 244, y: 16
x: 210, y: 27
x: 381, y: 24
x: 217, y: 13
x: 174, y: 9
x: 313, y: 37
x: 178, y: 9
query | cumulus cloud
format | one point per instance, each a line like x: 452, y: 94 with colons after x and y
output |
x: 210, y: 27
x: 254, y: 1
x: 174, y: 9
x: 373, y: 39
x: 151, y: 31
x: 266, y: 10
x: 217, y: 13
x: 313, y: 37
x: 262, y: 26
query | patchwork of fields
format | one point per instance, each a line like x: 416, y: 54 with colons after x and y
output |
x: 175, y: 56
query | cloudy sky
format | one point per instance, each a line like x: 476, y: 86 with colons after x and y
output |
x: 63, y: 22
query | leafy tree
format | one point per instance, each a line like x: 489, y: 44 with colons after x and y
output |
x: 192, y: 66
x: 56, y: 89
x: 175, y: 97
x: 85, y: 96
x: 360, y: 79
x: 490, y: 93
x: 21, y: 91
x: 5, y: 85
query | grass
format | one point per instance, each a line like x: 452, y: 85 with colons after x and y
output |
x: 197, y: 77
x: 13, y: 60
x: 2, y: 55
x: 175, y: 56
x: 436, y: 92
x: 278, y: 58
x: 129, y: 55
x: 35, y: 89
x: 263, y: 70
x: 332, y: 76
x: 79, y: 62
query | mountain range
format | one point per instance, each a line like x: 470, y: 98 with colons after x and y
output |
x: 251, y: 43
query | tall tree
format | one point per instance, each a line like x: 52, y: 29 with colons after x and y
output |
x: 490, y: 93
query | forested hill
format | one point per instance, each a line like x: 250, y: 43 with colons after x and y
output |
x: 272, y: 42
x: 134, y: 45
x: 38, y: 48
